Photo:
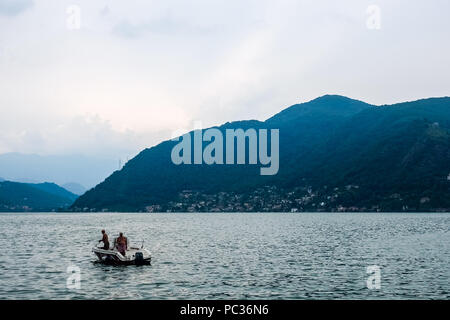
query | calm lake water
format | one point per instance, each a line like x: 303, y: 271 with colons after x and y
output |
x: 229, y: 256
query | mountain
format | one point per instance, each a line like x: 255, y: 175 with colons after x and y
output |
x: 61, y: 169
x: 336, y: 154
x: 75, y: 188
x: 15, y: 196
x: 55, y: 190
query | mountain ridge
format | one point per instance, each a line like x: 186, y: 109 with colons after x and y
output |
x: 17, y: 197
x: 331, y: 141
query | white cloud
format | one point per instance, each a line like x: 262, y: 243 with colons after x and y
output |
x: 88, y: 134
x: 137, y: 71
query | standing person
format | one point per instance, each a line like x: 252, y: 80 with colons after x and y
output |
x: 122, y: 244
x: 104, y: 240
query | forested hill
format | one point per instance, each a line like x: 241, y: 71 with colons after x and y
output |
x: 15, y: 196
x: 336, y: 154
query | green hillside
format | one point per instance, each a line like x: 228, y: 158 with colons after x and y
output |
x: 336, y: 153
x: 19, y: 197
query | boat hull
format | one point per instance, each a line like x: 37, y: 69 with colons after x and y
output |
x: 134, y: 256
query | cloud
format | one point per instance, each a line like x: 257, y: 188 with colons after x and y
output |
x: 14, y: 7
x: 166, y: 25
x: 87, y: 134
x: 148, y: 68
x: 105, y: 11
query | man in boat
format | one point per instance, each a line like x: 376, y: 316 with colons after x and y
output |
x: 122, y: 244
x: 104, y: 240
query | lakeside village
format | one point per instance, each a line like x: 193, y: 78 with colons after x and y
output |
x: 265, y: 199
x: 350, y: 198
x: 300, y: 199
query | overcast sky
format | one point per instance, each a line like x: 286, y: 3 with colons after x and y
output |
x: 123, y: 75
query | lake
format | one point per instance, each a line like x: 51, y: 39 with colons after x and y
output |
x: 229, y: 256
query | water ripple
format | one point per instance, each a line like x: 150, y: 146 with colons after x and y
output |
x: 229, y: 256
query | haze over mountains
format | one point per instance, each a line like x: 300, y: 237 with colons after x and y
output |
x: 75, y: 188
x: 32, y: 182
x: 336, y: 154
x: 76, y: 172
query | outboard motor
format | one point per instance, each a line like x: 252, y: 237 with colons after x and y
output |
x: 139, y: 258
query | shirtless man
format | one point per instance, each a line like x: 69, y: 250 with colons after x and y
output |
x: 104, y: 240
x: 122, y: 244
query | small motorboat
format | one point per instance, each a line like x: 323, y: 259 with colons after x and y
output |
x: 133, y: 255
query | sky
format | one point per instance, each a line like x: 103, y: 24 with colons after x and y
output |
x: 114, y: 77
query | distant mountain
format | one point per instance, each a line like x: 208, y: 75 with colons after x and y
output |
x: 54, y: 189
x: 336, y: 154
x: 75, y: 188
x: 15, y: 196
x: 1, y: 179
x: 61, y: 169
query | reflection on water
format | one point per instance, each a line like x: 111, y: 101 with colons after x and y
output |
x: 234, y: 256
